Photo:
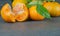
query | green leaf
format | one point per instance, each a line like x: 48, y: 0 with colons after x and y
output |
x: 34, y: 3
x: 40, y: 9
x: 50, y: 0
x: 29, y: 1
x: 31, y: 4
x: 12, y: 0
x: 43, y: 11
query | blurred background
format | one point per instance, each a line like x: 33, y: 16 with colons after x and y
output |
x: 2, y: 2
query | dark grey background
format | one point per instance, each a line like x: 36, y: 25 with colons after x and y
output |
x: 30, y: 28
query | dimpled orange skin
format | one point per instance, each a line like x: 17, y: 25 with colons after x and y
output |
x: 21, y: 17
x: 6, y: 13
x: 53, y: 8
x: 34, y: 15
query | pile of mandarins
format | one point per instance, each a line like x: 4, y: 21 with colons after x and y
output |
x: 19, y: 11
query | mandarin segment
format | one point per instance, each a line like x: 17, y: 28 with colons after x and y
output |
x: 21, y: 12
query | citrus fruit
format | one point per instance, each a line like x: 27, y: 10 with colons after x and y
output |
x: 53, y: 8
x: 18, y: 1
x: 7, y: 14
x: 34, y: 15
x: 21, y: 11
